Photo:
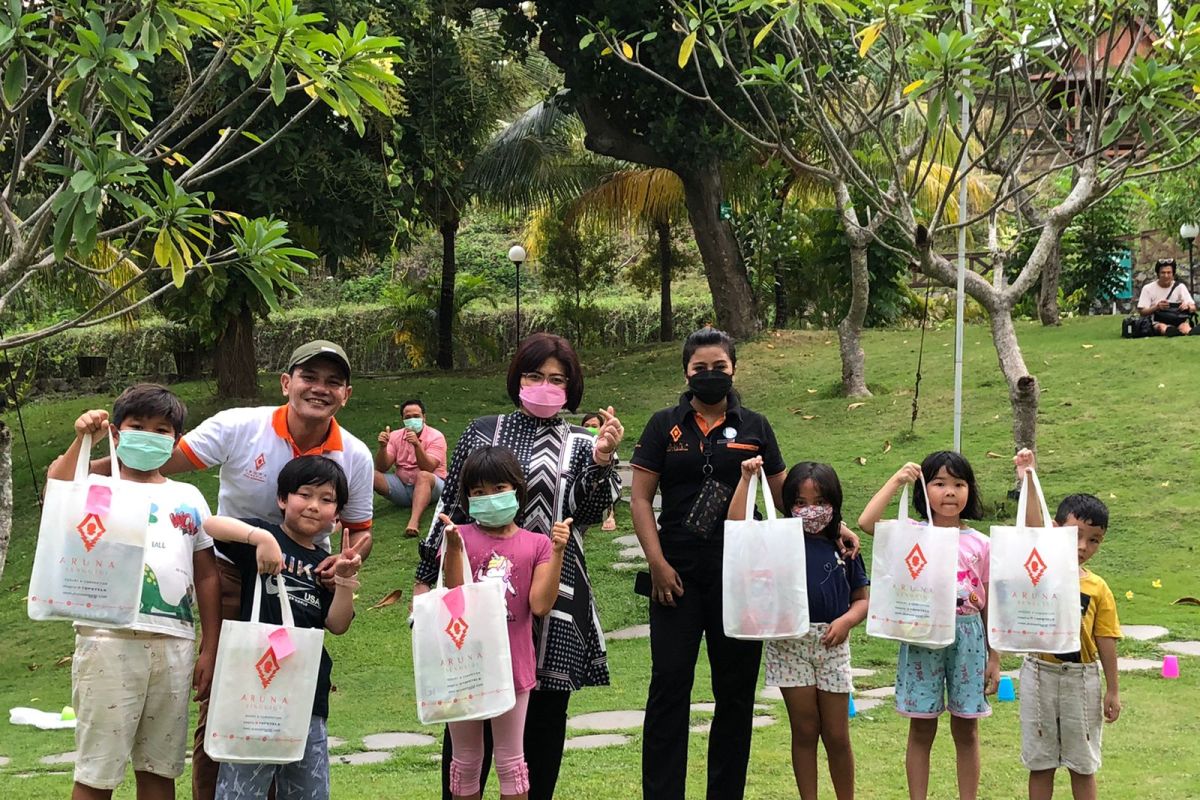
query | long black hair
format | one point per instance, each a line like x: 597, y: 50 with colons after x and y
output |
x: 828, y: 486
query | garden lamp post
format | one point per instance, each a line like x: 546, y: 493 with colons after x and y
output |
x: 1189, y: 231
x: 516, y: 254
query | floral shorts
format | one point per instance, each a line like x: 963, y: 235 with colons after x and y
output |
x: 807, y: 662
x: 930, y: 681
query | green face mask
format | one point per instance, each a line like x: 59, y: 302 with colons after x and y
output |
x: 414, y: 424
x: 494, y: 510
x: 592, y: 431
x: 143, y: 450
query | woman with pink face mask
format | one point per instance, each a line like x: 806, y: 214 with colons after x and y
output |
x: 570, y: 474
x: 813, y: 672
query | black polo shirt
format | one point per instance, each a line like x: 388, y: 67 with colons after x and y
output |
x: 671, y: 446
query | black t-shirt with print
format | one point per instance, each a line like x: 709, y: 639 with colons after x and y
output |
x: 310, y: 600
x: 675, y: 446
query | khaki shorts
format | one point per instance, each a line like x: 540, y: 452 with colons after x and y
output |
x: 1062, y: 716
x: 130, y: 690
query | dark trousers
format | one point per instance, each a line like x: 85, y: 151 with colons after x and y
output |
x: 545, y: 734
x: 674, y: 647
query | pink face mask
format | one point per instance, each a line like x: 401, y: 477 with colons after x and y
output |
x: 816, y: 518
x: 544, y: 400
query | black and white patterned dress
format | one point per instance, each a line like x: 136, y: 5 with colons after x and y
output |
x: 563, y: 481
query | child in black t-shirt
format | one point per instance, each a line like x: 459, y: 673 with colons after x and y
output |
x: 312, y: 490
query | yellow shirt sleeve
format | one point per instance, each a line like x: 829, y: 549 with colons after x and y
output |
x: 1106, y: 623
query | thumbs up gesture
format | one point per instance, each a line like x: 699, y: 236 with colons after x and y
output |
x: 560, y: 533
x: 385, y: 434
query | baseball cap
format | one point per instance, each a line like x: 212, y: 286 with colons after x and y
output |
x: 317, y: 348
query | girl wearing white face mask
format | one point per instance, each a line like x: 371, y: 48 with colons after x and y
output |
x: 570, y: 473
x: 813, y: 672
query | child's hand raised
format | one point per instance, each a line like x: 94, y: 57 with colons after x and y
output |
x: 450, y: 531
x: 92, y: 422
x: 909, y: 473
x: 348, y: 560
x: 268, y: 556
x: 751, y: 466
x: 560, y: 533
x: 1024, y: 461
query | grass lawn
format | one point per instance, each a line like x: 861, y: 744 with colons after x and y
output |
x: 1118, y: 419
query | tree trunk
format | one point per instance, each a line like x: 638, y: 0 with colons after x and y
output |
x: 781, y: 304
x: 1023, y: 389
x: 237, y: 373
x: 733, y: 301
x: 1048, y: 294
x: 6, y: 497
x: 445, y: 336
x: 854, y: 361
x: 666, y: 326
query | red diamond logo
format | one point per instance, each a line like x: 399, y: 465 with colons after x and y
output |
x: 259, y: 460
x: 915, y: 561
x: 1035, y: 567
x: 90, y: 530
x: 457, y: 631
x: 267, y: 667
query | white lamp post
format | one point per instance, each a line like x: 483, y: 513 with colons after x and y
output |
x: 516, y: 254
x: 1189, y: 231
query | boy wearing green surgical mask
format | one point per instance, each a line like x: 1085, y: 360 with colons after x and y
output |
x: 529, y: 566
x: 130, y: 686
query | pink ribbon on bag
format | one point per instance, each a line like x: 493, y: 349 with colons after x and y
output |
x: 455, y: 602
x: 281, y: 643
x: 99, y: 500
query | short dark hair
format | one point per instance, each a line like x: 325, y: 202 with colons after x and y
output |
x: 590, y: 415
x: 533, y: 352
x: 312, y: 471
x: 490, y: 465
x: 414, y: 402
x: 706, y: 337
x: 1164, y: 262
x: 1085, y: 508
x: 150, y: 400
x: 958, y: 467
x: 828, y: 485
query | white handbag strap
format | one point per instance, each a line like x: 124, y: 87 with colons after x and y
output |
x: 904, y: 501
x: 466, y: 562
x: 85, y: 457
x: 1023, y: 501
x: 285, y: 605
x: 752, y: 495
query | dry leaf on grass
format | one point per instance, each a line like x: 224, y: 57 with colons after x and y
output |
x: 809, y: 416
x: 1088, y: 346
x: 862, y: 462
x: 991, y: 454
x: 811, y: 391
x: 853, y: 406
x: 887, y: 446
x: 64, y: 660
x: 392, y: 598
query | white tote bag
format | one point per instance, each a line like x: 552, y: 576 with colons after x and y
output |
x: 913, y: 580
x: 764, y: 577
x: 461, y: 658
x: 91, y: 548
x: 1033, y: 589
x: 262, y: 694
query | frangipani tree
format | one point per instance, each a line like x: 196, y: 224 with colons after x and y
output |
x: 1078, y: 98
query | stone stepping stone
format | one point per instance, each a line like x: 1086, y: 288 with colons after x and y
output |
x: 390, y: 741
x: 636, y: 632
x: 763, y: 721
x: 1183, y: 648
x: 1015, y: 674
x: 880, y: 693
x: 1143, y: 633
x: 607, y: 721
x: 630, y: 566
x: 335, y: 741
x: 866, y: 704
x: 39, y: 774
x: 706, y: 725
x: 630, y: 540
x: 711, y: 708
x: 356, y: 759
x: 5, y: 761
x: 1135, y: 664
x: 60, y: 758
x: 631, y: 553
x: 863, y: 672
x: 596, y: 740
x: 771, y: 693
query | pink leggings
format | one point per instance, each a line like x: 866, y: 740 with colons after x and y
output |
x: 508, y: 751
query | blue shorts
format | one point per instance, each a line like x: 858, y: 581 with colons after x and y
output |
x: 401, y: 493
x: 925, y: 678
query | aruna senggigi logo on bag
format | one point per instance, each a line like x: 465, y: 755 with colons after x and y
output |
x: 457, y: 631
x: 1035, y: 567
x: 91, y: 528
x: 267, y: 667
x: 915, y: 561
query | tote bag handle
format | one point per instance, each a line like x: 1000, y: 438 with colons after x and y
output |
x: 466, y: 563
x: 903, y: 511
x: 752, y: 495
x: 85, y: 457
x: 1023, y: 501
x: 285, y: 605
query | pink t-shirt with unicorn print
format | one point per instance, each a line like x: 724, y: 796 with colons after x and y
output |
x: 510, y: 561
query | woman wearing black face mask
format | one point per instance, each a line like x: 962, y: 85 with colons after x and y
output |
x: 692, y: 453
